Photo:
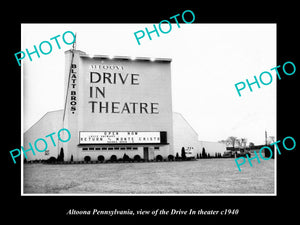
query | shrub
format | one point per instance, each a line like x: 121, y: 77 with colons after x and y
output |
x: 101, y: 158
x: 159, y: 158
x: 137, y: 158
x: 170, y: 157
x: 51, y: 160
x: 126, y: 158
x: 87, y: 158
x: 113, y: 158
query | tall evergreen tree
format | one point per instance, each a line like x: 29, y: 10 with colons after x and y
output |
x: 61, y: 155
x: 183, y: 156
x: 204, y: 153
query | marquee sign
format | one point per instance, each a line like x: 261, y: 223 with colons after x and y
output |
x: 121, y: 137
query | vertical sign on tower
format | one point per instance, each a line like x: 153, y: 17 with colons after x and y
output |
x: 73, y: 91
x: 73, y: 80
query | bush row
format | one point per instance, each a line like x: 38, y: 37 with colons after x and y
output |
x: 113, y: 158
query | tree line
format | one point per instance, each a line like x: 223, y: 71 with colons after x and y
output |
x: 242, y: 142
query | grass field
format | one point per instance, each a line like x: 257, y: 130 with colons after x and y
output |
x: 206, y: 176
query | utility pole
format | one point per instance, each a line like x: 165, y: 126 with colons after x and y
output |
x: 266, y: 137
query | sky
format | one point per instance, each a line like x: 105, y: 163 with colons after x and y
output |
x: 207, y: 61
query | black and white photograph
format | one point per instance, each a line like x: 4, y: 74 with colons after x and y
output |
x: 163, y: 117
